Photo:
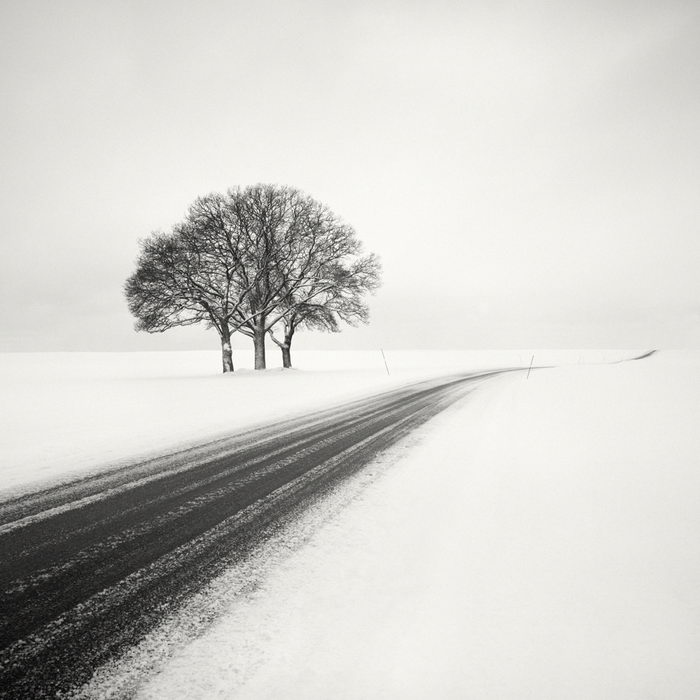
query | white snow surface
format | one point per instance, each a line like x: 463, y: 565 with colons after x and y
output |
x: 63, y: 414
x: 536, y: 540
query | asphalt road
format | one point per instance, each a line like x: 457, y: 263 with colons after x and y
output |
x: 87, y: 568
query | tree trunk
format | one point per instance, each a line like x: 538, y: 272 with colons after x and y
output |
x: 226, y: 356
x: 287, y: 348
x: 259, y: 344
x: 286, y: 356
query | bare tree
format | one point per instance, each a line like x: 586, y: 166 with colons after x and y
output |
x: 300, y: 256
x: 269, y: 220
x: 191, y: 275
x: 337, y: 297
x: 168, y: 290
x: 247, y: 261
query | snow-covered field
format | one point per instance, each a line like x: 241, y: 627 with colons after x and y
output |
x: 67, y: 413
x: 537, y: 540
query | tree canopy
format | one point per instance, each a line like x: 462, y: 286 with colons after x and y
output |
x: 248, y: 261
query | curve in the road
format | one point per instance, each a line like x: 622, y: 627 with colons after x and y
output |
x: 89, y: 567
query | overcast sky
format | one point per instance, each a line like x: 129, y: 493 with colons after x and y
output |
x: 529, y: 172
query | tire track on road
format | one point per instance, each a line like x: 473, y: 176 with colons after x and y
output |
x: 88, y: 568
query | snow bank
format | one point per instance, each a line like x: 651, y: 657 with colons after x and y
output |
x: 539, y: 542
x: 66, y: 413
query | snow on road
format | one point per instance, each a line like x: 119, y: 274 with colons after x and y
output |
x: 539, y: 541
x: 63, y: 414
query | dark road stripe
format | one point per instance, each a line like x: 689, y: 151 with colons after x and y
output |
x: 88, y: 568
